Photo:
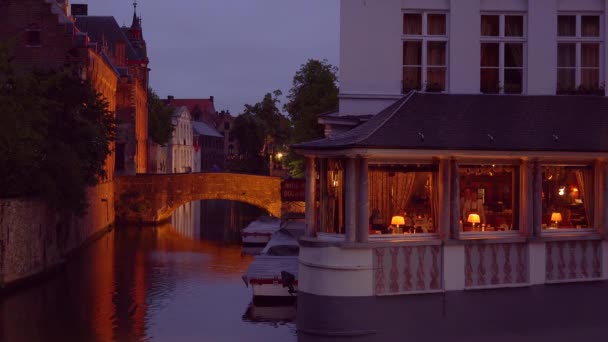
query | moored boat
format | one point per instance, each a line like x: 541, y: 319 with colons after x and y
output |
x: 259, y: 232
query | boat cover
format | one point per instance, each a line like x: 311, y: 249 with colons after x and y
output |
x: 265, y: 269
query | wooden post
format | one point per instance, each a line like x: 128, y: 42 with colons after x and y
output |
x: 310, y: 196
x: 351, y: 199
x: 537, y: 199
x: 455, y: 200
x: 443, y: 226
x: 363, y: 202
x: 604, y: 199
x: 323, y: 195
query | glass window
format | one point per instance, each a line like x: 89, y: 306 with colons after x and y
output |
x: 566, y: 25
x: 412, y: 23
x: 412, y: 65
x: 402, y: 199
x: 32, y: 35
x: 514, y: 26
x: 567, y: 197
x: 428, y: 73
x: 579, y: 50
x: 488, y: 198
x: 590, y: 26
x: 502, y: 54
x: 436, y: 25
x: 436, y: 66
x: 514, y: 55
x: 490, y: 81
x: 490, y: 25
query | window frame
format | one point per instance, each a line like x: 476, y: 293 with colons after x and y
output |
x: 516, y: 194
x: 33, y: 28
x: 593, y: 228
x: 424, y: 38
x: 501, y: 40
x: 578, y: 40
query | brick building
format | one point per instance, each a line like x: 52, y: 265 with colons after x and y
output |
x: 43, y: 36
x: 127, y: 52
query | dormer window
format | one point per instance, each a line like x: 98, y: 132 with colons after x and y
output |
x: 32, y: 36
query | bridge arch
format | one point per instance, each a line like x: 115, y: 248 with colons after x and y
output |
x: 153, y: 198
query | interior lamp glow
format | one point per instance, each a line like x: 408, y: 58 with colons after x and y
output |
x: 556, y: 217
x: 474, y: 219
x: 397, y: 220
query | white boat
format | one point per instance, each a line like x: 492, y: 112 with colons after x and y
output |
x: 258, y: 232
x: 274, y: 273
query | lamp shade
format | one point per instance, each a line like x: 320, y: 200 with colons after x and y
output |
x: 473, y: 218
x: 556, y: 217
x: 397, y: 220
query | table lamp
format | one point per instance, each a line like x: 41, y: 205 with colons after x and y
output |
x: 397, y: 220
x: 473, y: 218
x: 556, y: 217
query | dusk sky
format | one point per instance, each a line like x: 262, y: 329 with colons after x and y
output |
x: 235, y: 50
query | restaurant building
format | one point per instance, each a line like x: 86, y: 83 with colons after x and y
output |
x: 483, y: 165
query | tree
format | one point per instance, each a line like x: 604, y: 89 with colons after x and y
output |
x: 55, y: 136
x: 314, y: 91
x: 160, y: 126
x: 260, y: 130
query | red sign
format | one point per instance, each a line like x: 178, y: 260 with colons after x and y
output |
x: 293, y: 190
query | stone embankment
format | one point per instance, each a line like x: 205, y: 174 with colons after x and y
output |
x: 35, y: 240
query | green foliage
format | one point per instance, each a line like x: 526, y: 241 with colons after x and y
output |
x: 260, y: 130
x: 55, y: 135
x: 160, y: 127
x: 314, y: 91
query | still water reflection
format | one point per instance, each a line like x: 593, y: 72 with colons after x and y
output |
x: 148, y: 284
x: 182, y: 282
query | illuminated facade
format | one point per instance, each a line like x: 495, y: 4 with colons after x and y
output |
x: 483, y: 163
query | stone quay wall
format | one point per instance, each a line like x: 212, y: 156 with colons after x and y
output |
x: 35, y: 240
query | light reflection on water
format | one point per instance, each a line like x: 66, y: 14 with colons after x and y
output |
x: 144, y: 284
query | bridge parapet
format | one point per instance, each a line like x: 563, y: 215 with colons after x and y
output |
x: 152, y: 198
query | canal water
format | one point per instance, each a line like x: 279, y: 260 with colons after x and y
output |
x: 182, y: 282
x: 177, y: 282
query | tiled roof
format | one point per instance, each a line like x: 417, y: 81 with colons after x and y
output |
x: 204, y: 105
x: 104, y: 28
x: 203, y: 129
x: 482, y: 122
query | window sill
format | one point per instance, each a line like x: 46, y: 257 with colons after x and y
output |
x: 570, y: 234
x: 511, y: 236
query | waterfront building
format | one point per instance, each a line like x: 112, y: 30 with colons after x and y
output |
x: 482, y: 159
x: 42, y: 36
x: 180, y: 150
x: 209, y: 149
x: 127, y: 53
x: 203, y: 110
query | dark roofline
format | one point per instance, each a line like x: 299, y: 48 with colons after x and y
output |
x: 451, y: 122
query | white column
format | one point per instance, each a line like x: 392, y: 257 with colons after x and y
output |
x: 537, y: 199
x: 310, y: 218
x: 350, y: 211
x: 363, y: 202
x: 444, y: 199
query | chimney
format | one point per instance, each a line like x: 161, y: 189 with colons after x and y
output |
x: 80, y: 9
x: 170, y: 98
x: 211, y: 98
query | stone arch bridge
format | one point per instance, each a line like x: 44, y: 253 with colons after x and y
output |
x: 152, y: 198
